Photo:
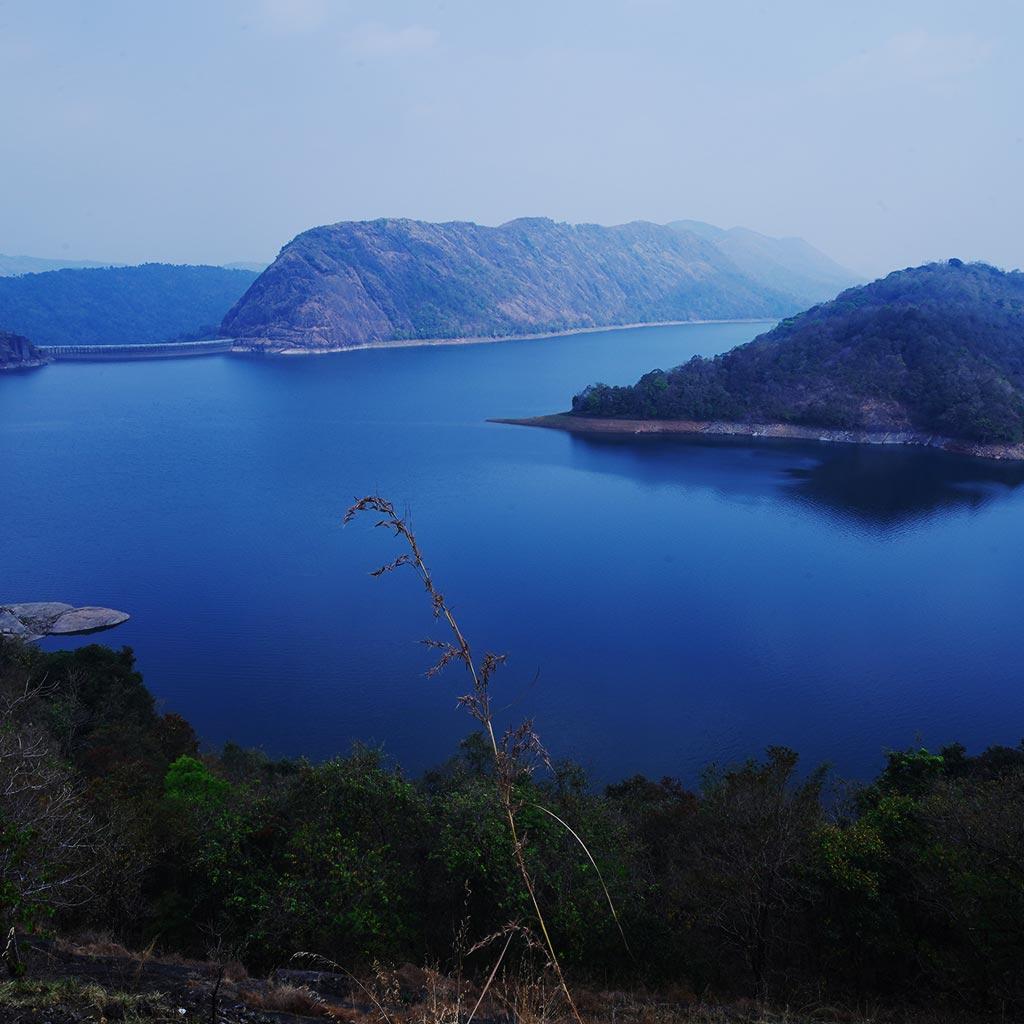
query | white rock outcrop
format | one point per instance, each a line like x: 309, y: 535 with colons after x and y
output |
x: 32, y: 620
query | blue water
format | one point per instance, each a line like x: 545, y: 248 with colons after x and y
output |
x: 665, y: 602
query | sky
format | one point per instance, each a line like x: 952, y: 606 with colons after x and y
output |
x: 885, y: 133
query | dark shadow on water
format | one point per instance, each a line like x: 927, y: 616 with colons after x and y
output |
x: 873, y: 487
x: 900, y: 486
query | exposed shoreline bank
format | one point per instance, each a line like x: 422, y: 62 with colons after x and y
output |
x: 718, y: 428
x: 268, y: 347
x: 273, y: 349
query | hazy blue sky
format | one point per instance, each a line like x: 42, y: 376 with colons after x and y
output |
x: 887, y: 133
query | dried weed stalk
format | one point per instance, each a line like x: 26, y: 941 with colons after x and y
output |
x: 517, y: 752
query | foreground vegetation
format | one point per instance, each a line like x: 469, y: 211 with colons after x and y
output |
x: 763, y: 880
x: 937, y: 349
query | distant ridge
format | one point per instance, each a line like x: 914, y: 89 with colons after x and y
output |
x: 373, y: 282
x: 789, y: 265
x: 12, y: 266
x: 120, y: 305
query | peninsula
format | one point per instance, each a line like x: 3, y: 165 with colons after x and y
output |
x: 932, y: 355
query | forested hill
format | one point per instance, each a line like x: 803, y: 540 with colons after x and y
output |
x: 120, y: 305
x: 937, y: 348
x: 358, y: 283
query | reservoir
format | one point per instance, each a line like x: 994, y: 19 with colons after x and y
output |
x: 664, y: 602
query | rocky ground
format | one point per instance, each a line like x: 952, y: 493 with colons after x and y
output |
x: 100, y: 982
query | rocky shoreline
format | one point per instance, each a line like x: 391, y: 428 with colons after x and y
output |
x: 718, y: 428
x: 27, y: 364
x: 18, y: 353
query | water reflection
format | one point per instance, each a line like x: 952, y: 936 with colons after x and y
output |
x: 874, y: 487
x: 894, y: 487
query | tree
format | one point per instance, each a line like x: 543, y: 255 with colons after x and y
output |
x: 49, y: 842
x: 751, y: 846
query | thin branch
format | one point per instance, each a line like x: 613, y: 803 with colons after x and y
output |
x: 490, y: 978
x: 508, y: 754
x: 316, y: 957
x: 600, y: 877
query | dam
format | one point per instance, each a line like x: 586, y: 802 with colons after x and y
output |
x: 158, y: 350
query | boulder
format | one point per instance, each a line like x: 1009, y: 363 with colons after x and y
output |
x: 31, y: 620
x: 11, y: 625
x: 87, y: 619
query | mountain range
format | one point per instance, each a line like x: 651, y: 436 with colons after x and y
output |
x: 360, y: 283
x: 399, y: 281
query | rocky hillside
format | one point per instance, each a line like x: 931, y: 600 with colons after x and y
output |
x: 120, y: 305
x: 18, y: 353
x: 937, y: 348
x: 360, y: 283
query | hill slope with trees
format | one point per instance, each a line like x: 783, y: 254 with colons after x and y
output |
x: 120, y: 305
x: 937, y: 349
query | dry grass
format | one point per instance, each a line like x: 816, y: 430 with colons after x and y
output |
x: 516, y: 754
x: 538, y: 1001
x: 288, y: 999
x: 103, y: 944
x: 30, y: 1000
x: 517, y: 999
x: 97, y: 944
x: 411, y: 995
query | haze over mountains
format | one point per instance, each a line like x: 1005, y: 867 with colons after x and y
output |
x: 373, y: 282
x: 12, y: 266
x: 789, y: 265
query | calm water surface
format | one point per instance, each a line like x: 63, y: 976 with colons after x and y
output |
x: 664, y: 602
